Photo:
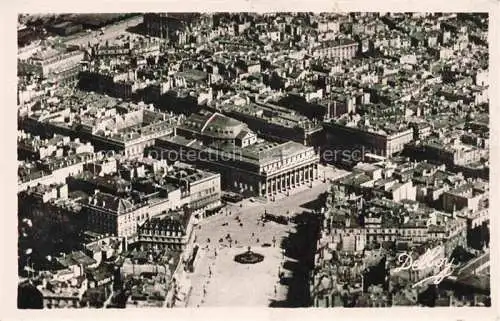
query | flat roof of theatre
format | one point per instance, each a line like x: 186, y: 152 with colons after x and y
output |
x: 258, y: 153
x: 269, y: 150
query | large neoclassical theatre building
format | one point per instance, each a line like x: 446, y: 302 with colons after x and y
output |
x: 248, y: 164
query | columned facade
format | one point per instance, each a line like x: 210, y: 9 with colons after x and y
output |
x: 261, y: 170
x: 283, y: 182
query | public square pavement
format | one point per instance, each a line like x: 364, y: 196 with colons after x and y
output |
x: 220, y: 281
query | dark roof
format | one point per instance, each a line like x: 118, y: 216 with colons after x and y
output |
x: 174, y: 221
x: 111, y: 202
x: 76, y: 258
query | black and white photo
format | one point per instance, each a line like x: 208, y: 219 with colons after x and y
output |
x: 240, y: 159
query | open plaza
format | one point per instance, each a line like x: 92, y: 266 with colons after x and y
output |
x: 218, y: 280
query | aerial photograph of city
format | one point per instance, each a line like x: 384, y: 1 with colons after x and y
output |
x: 239, y: 159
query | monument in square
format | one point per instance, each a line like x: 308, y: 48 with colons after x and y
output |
x: 249, y: 257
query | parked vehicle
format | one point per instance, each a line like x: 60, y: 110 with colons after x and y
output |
x: 280, y: 219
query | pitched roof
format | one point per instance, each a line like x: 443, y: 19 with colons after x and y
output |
x: 111, y: 202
